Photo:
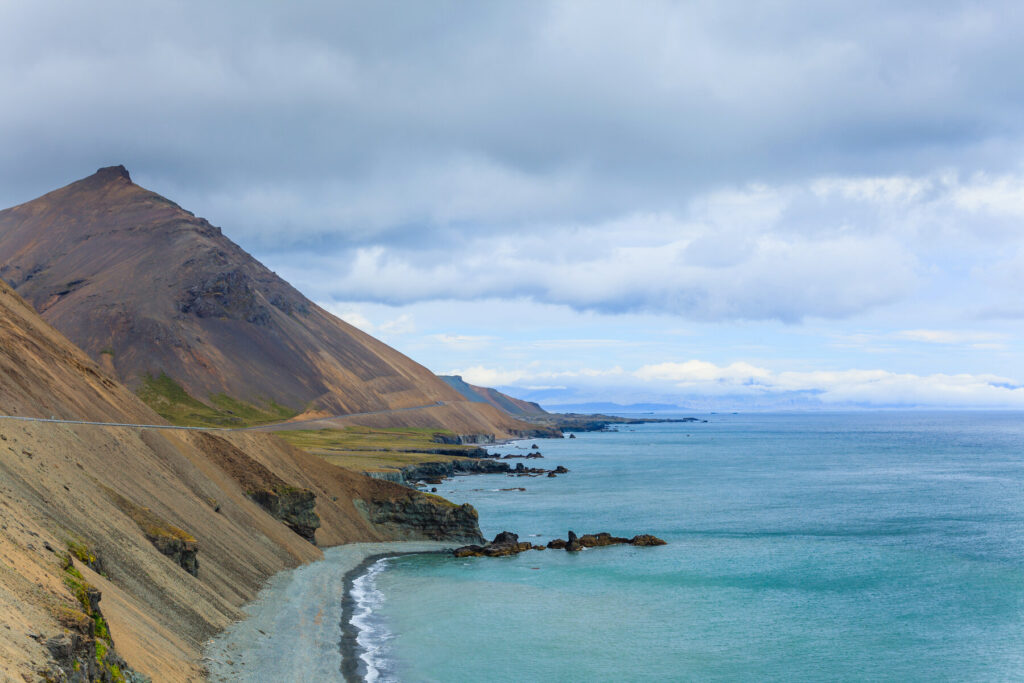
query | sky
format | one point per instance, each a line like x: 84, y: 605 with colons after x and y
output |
x: 713, y: 205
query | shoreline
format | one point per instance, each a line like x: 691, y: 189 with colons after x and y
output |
x: 353, y: 668
x: 294, y: 627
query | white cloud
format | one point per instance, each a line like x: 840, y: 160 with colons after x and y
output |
x: 696, y: 371
x: 999, y: 195
x: 740, y: 381
x: 952, y: 337
x: 464, y: 342
x: 403, y: 324
x: 357, y: 319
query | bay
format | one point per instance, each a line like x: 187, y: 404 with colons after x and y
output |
x: 805, y: 546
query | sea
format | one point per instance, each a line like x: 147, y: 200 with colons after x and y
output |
x: 867, y: 546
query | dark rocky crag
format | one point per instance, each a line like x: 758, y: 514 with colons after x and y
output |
x: 432, y: 517
x: 293, y: 506
x: 84, y: 652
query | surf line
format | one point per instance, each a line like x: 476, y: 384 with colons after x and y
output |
x: 353, y: 667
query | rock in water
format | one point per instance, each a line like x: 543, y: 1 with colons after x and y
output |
x: 646, y: 539
x: 601, y: 539
x: 576, y: 543
x: 505, y: 543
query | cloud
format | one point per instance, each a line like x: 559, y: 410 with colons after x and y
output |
x: 695, y: 371
x: 463, y: 341
x: 340, y: 118
x: 493, y: 377
x: 976, y: 339
x: 742, y: 383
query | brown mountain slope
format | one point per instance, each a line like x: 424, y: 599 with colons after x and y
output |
x: 111, y: 491
x: 515, y: 407
x: 145, y: 287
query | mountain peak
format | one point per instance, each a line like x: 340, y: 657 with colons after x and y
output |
x: 113, y: 173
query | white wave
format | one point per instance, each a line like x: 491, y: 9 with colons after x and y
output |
x: 373, y: 637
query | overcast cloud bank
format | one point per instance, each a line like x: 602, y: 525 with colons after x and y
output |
x: 849, y: 171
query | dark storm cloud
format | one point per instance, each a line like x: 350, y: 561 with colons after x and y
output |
x: 300, y: 126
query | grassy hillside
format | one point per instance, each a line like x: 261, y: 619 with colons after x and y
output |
x: 177, y: 406
x: 368, y: 449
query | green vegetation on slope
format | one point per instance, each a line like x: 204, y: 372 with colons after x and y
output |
x: 152, y: 526
x: 367, y: 448
x: 177, y: 406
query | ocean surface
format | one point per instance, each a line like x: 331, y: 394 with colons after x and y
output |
x: 840, y: 547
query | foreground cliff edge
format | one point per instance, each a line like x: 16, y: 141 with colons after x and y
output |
x: 123, y: 550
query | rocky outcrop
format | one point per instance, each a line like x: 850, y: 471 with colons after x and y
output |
x: 528, y: 456
x: 84, y: 651
x: 504, y: 544
x: 293, y: 506
x: 433, y: 472
x: 507, y: 543
x: 576, y: 543
x: 646, y: 540
x: 462, y: 439
x: 423, y: 516
x: 538, y: 432
x: 224, y: 295
x: 177, y: 544
x: 180, y: 547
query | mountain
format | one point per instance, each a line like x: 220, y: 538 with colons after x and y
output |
x: 177, y: 311
x: 151, y: 540
x: 616, y: 408
x: 512, y: 406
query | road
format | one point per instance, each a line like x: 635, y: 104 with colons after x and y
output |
x: 267, y: 427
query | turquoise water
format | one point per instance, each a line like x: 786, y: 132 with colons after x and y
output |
x: 881, y: 546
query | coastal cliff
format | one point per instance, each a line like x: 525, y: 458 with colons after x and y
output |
x: 420, y: 516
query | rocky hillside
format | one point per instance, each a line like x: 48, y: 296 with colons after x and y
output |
x: 512, y: 406
x: 167, y: 304
x: 125, y: 548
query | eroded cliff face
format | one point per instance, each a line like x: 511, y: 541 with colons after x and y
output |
x: 293, y: 506
x: 424, y: 516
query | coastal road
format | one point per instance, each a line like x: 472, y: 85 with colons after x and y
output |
x: 299, y: 424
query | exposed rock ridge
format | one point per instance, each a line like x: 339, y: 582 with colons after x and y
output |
x: 85, y: 652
